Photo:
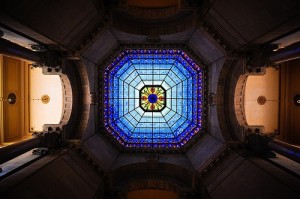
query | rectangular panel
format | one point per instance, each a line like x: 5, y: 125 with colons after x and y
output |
x: 289, y: 113
x: 12, y: 112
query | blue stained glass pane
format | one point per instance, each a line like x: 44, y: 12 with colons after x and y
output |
x: 136, y: 81
x: 157, y: 77
x: 179, y: 106
x: 145, y: 122
x: 115, y: 101
x: 131, y: 77
x: 121, y: 108
x: 144, y: 71
x: 174, y: 77
x: 163, y: 125
x: 129, y: 73
x: 131, y: 104
x: 190, y: 87
x: 169, y: 115
x: 171, y: 83
x: 190, y: 108
x: 135, y: 115
x: 145, y: 125
x: 155, y: 120
x: 180, y: 93
x: 184, y: 108
x: 140, y: 111
x: 125, y: 106
x: 123, y: 126
x: 147, y: 77
x: 179, y: 74
x: 165, y: 84
x: 178, y: 123
x: 173, y: 92
x: 162, y: 71
x: 166, y: 110
x: 131, y: 92
x: 132, y: 121
x: 124, y: 68
x: 179, y: 67
x: 129, y: 125
x: 121, y: 91
x: 167, y: 134
x: 136, y: 102
x: 125, y: 90
x: 148, y: 115
x: 174, y: 105
x: 174, y: 120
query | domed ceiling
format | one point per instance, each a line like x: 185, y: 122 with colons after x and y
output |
x: 153, y: 98
x: 92, y: 31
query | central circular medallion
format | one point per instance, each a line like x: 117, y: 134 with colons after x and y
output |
x: 261, y: 100
x: 152, y: 98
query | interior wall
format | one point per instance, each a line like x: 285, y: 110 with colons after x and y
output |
x: 41, y: 113
x: 14, y: 81
x: 151, y: 194
x: 67, y: 176
x: 266, y: 114
x: 12, y: 73
x: 28, y: 113
x: 152, y: 3
x: 289, y: 112
x: 1, y: 98
x: 248, y: 180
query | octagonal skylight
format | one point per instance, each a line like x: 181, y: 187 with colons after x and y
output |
x: 153, y: 98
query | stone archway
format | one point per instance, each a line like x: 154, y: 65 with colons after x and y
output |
x: 174, y: 180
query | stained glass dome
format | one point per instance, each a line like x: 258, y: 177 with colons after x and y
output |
x: 153, y: 98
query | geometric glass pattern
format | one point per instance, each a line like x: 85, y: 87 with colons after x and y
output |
x: 153, y: 98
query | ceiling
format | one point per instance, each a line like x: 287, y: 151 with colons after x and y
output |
x: 92, y: 29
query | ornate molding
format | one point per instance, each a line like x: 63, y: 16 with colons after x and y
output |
x: 89, y: 40
x: 151, y: 175
x: 181, y: 21
x: 11, y: 49
x: 153, y: 39
x: 153, y: 12
x: 152, y: 184
x: 38, y: 48
x: 212, y: 99
x: 258, y: 57
x: 213, y: 34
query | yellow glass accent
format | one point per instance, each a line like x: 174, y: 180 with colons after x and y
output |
x: 152, y: 98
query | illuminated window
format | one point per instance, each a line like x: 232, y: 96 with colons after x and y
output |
x: 153, y: 98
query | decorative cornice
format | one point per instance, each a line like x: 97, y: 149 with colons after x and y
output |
x: 181, y: 21
x: 9, y: 48
x: 91, y: 38
x: 213, y: 34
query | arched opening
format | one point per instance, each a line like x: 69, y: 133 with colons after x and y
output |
x: 29, y: 99
x: 153, y: 179
x: 45, y: 101
x: 151, y: 194
x: 261, y: 100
